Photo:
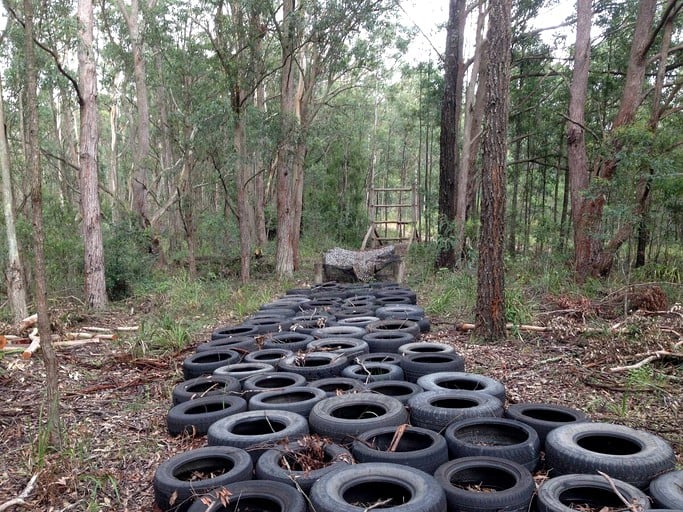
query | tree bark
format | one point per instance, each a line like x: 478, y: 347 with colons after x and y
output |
x: 16, y: 281
x: 95, y: 288
x: 490, y: 307
x: 577, y: 158
x: 33, y: 166
x: 451, y: 107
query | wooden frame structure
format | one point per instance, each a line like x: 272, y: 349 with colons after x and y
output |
x: 393, y: 217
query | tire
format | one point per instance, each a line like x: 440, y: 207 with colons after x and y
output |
x: 364, y: 310
x: 341, y: 331
x: 175, y: 481
x: 463, y: 381
x: 400, y: 311
x: 266, y: 324
x: 394, y: 325
x: 205, y: 385
x: 356, y: 321
x: 544, y: 417
x: 494, y: 437
x: 242, y: 371
x: 416, y: 365
x: 252, y: 495
x: 349, y: 347
x: 417, y: 447
x: 194, y: 417
x: 436, y: 409
x: 281, y: 312
x: 271, y: 356
x: 271, y: 381
x: 407, y: 489
x: 335, y: 386
x: 667, y: 490
x: 310, y: 325
x: 342, y: 418
x: 378, y: 357
x: 632, y: 456
x: 424, y: 347
x: 468, y: 483
x: 399, y: 389
x: 283, y: 463
x: 373, y: 372
x: 387, y: 341
x: 298, y: 399
x: 293, y: 341
x: 231, y: 331
x: 393, y: 300
x: 257, y: 431
x: 204, y: 363
x: 566, y: 493
x: 315, y: 365
x: 238, y: 343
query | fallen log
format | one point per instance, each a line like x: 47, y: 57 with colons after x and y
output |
x: 28, y: 322
x: 652, y: 356
x: 33, y: 346
x: 21, y: 499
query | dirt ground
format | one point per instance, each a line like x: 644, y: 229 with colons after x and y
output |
x: 114, y: 404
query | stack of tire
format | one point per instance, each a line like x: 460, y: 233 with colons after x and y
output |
x: 339, y: 373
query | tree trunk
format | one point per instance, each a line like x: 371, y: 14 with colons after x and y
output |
x: 490, y: 307
x: 450, y: 122
x: 286, y: 171
x: 95, y: 288
x: 16, y: 281
x: 53, y: 428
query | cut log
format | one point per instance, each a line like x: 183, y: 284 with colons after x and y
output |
x: 35, y: 344
x: 28, y: 322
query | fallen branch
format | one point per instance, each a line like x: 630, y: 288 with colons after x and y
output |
x: 35, y: 344
x: 397, y: 437
x: 659, y: 354
x: 21, y: 499
x: 28, y: 322
x: 634, y: 507
x: 28, y: 351
x: 522, y: 327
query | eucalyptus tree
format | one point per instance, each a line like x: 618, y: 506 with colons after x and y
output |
x: 325, y: 47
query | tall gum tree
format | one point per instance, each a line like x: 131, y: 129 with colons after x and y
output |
x: 490, y: 306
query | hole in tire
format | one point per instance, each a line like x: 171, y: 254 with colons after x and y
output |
x: 257, y: 427
x: 336, y: 386
x: 549, y: 415
x: 483, y: 479
x: 203, y: 469
x: 463, y: 384
x: 609, y: 445
x: 491, y: 435
x: 372, y: 370
x: 432, y: 359
x: 204, y: 387
x: 590, y: 498
x: 208, y: 408
x: 454, y: 403
x: 289, y: 398
x: 410, y: 441
x: 393, y: 390
x: 358, y: 412
x: 251, y: 504
x: 377, y: 494
x: 213, y: 357
x: 312, y: 362
x: 274, y: 382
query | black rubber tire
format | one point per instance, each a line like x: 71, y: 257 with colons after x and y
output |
x: 425, y: 347
x: 464, y: 381
x: 401, y: 311
x: 419, y: 448
x: 293, y: 341
x: 344, y: 312
x: 343, y: 417
x: 270, y: 382
x: 175, y: 481
x: 280, y: 464
x: 315, y: 365
x: 409, y: 489
x: 265, y: 324
x: 308, y: 326
x: 387, y: 341
x: 232, y: 331
x: 416, y: 365
x: 281, y: 312
x: 436, y: 409
x: 268, y: 355
x: 356, y: 321
x: 205, y: 385
x: 394, y: 325
x: 468, y: 483
x: 633, y: 456
x: 373, y: 372
x: 393, y: 300
x: 204, y: 363
x: 292, y: 301
x: 349, y: 347
x: 256, y: 495
x: 667, y: 490
x: 566, y: 493
x: 194, y: 417
x: 399, y: 389
x: 241, y: 344
x: 544, y: 417
x: 494, y: 437
x: 242, y: 371
x: 335, y: 386
x: 298, y: 399
x: 257, y: 431
x: 339, y: 331
x: 378, y: 357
